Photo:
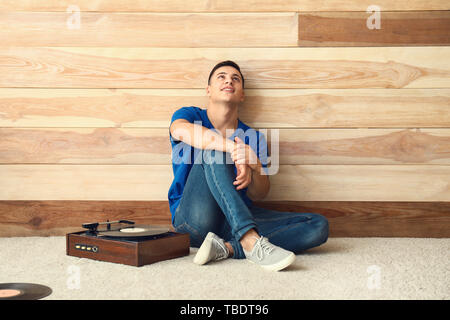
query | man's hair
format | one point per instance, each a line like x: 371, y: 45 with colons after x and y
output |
x: 226, y: 63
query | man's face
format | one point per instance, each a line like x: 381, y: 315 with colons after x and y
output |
x: 226, y: 86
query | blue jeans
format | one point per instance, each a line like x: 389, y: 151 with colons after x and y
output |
x: 211, y: 203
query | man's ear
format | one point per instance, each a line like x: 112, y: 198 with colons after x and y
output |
x: 243, y: 96
x: 208, y: 92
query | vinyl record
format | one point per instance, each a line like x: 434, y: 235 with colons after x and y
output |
x: 23, y: 291
x: 134, y: 231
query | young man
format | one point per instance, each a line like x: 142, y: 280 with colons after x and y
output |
x: 217, y: 174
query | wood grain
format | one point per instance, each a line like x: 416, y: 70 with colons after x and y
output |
x: 364, y: 146
x: 262, y: 108
x: 45, y: 218
x: 92, y: 29
x: 221, y: 5
x: 346, y: 218
x: 412, y: 28
x: 275, y: 68
x: 290, y: 183
x: 376, y: 219
x: 85, y: 146
x: 84, y: 112
x: 296, y: 146
x: 360, y: 183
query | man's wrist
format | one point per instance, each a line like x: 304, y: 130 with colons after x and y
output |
x: 256, y: 166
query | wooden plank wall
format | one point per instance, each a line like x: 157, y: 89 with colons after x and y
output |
x: 361, y: 99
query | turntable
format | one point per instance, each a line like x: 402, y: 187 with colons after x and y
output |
x: 126, y: 243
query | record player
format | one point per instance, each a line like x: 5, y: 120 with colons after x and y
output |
x: 125, y: 242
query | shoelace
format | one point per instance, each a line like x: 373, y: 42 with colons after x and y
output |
x: 262, y: 246
x: 220, y: 254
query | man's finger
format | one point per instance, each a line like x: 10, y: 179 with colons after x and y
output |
x: 240, y: 176
x: 243, y: 185
x: 238, y: 140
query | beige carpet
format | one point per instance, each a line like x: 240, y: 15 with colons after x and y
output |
x: 342, y: 268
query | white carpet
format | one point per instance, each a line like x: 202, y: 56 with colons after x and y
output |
x: 342, y: 268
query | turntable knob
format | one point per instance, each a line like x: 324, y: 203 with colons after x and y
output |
x: 94, y: 249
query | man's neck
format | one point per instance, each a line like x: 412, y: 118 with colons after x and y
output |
x: 223, y: 117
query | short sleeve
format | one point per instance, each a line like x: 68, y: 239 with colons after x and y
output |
x: 186, y: 113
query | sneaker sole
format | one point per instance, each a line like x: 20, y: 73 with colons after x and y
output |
x: 280, y: 265
x: 203, y: 252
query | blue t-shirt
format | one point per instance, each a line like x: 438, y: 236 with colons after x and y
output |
x: 184, y: 155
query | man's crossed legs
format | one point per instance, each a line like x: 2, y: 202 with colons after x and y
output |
x: 220, y: 223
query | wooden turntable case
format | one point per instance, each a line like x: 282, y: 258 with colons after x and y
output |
x: 133, y: 253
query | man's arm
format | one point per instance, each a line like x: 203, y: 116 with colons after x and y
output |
x: 260, y: 185
x: 203, y: 138
x: 200, y: 137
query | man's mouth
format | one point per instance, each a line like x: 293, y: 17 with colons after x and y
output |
x: 228, y: 89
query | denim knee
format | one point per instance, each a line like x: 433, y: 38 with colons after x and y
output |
x: 210, y: 156
x: 200, y: 223
x: 322, y: 228
x: 210, y: 221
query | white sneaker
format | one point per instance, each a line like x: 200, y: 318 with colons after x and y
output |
x: 269, y: 256
x: 213, y: 248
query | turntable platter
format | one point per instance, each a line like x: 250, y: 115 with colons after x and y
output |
x: 134, y: 231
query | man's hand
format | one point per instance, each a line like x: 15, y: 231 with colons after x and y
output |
x: 244, y: 176
x: 244, y: 154
x: 249, y: 171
